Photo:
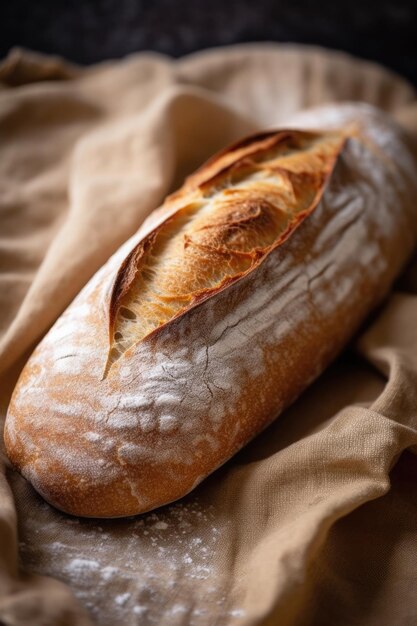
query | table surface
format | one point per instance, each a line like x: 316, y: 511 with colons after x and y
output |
x: 87, y: 31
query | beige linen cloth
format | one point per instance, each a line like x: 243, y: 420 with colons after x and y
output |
x: 315, y: 522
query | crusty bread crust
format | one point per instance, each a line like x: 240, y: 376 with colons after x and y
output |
x: 229, y: 301
x: 229, y: 217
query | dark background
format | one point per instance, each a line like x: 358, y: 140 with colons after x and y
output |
x: 90, y: 31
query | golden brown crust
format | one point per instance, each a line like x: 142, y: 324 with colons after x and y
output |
x: 238, y: 208
x: 282, y: 275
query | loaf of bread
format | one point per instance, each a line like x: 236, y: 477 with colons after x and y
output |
x: 215, y: 316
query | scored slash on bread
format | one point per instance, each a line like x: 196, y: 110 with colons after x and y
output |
x: 230, y: 215
x: 216, y: 315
